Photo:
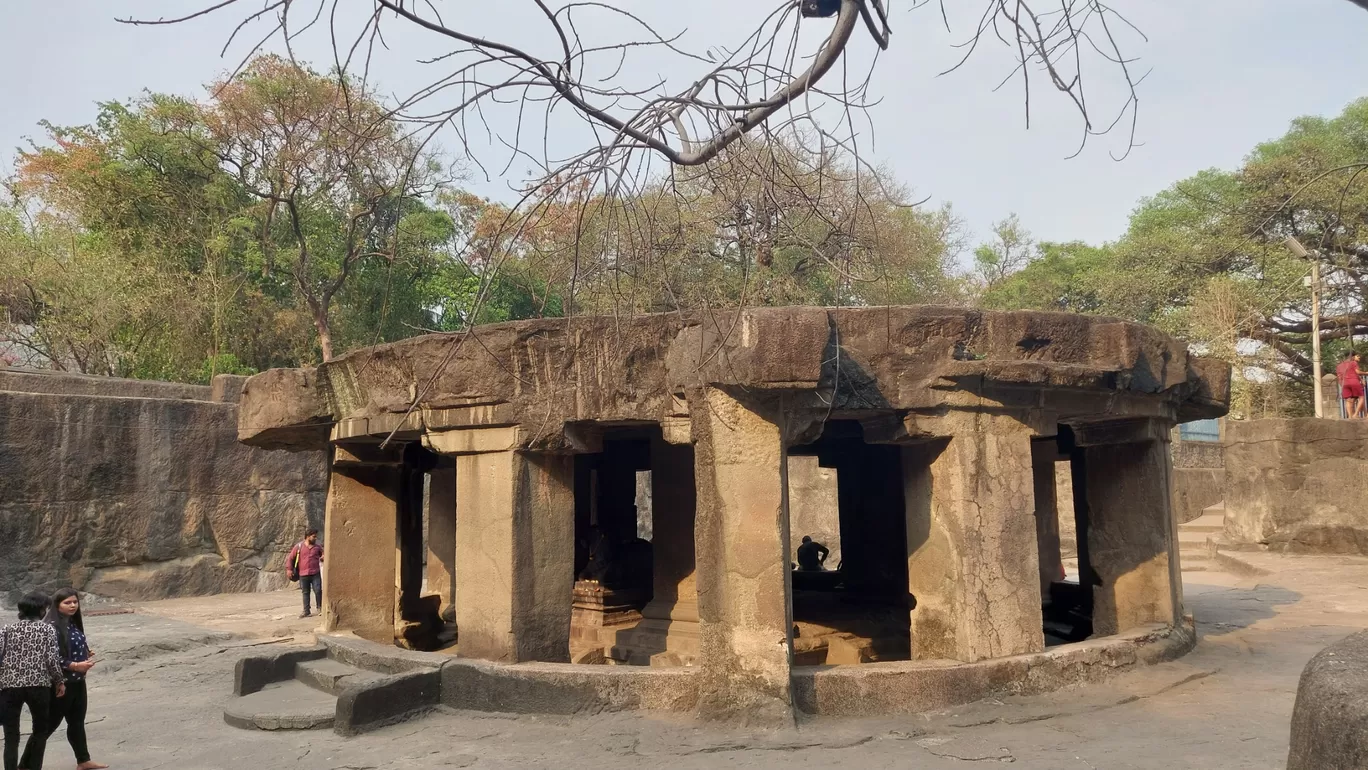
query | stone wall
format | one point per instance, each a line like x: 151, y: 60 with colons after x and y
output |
x: 1298, y: 485
x: 140, y: 490
x: 814, y: 509
x: 1198, y: 454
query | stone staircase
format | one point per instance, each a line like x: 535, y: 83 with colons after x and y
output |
x: 343, y: 684
x: 1197, y: 539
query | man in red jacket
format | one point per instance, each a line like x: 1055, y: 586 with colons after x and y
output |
x: 305, y: 564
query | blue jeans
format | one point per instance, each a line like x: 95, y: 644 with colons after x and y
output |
x: 315, y: 582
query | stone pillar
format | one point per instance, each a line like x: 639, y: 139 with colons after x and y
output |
x: 971, y: 541
x: 515, y: 546
x: 668, y: 633
x: 362, y: 511
x: 441, y: 542
x: 1132, y: 540
x: 1044, y: 453
x: 743, y: 576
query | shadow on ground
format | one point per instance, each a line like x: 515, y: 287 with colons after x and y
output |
x: 1221, y: 610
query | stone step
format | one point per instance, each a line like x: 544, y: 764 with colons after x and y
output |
x: 331, y: 675
x: 288, y: 705
x: 1207, y: 522
x: 1188, y: 539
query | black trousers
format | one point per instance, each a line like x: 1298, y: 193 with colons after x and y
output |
x: 12, y: 701
x: 314, y: 583
x: 72, y: 708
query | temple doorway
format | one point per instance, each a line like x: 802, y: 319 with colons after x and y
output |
x: 853, y: 608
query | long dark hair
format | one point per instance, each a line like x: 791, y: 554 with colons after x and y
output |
x: 62, y: 622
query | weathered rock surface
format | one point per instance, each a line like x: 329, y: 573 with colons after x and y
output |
x: 140, y: 490
x: 558, y: 371
x: 1330, y: 720
x: 1298, y: 485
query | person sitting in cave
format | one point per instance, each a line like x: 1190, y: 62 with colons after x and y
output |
x: 812, y: 555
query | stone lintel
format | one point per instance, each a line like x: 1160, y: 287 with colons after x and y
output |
x: 478, y: 413
x: 1131, y: 430
x: 357, y: 454
x: 470, y: 441
x: 377, y: 426
x: 921, y: 426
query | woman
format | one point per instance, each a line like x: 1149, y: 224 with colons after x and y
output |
x: 29, y: 669
x: 65, y: 617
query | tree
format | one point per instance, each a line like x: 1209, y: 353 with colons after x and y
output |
x: 332, y: 172
x: 583, y: 110
x: 1060, y: 276
x: 1010, y: 250
x: 1206, y: 260
x: 765, y: 223
x: 161, y: 188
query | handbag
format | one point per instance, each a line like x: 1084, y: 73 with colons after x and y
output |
x: 293, y: 572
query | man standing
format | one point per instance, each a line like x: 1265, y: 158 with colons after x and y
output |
x: 1351, y: 384
x: 305, y: 564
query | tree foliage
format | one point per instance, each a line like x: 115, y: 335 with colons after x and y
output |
x: 288, y: 217
x: 1205, y: 259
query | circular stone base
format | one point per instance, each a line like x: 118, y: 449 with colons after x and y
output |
x: 867, y: 689
x: 909, y: 687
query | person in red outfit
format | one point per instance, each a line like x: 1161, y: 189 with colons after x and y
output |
x: 1351, y: 384
x: 306, y: 565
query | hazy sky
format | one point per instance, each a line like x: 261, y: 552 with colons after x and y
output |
x: 1225, y: 74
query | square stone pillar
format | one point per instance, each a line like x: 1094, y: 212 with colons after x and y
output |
x: 1132, y: 535
x: 362, y: 514
x: 1044, y: 454
x: 668, y: 633
x: 515, y: 546
x: 741, y: 537
x: 441, y: 539
x: 972, y: 541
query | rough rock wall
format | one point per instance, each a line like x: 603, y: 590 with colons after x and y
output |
x: 1195, y: 490
x: 814, y: 509
x: 1198, y: 454
x: 1298, y: 485
x: 140, y: 490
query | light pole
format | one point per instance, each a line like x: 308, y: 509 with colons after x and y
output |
x: 1300, y: 250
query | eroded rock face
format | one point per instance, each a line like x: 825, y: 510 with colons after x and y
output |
x: 141, y: 490
x: 1298, y: 485
x: 552, y: 373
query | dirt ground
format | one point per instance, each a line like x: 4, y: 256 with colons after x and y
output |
x: 156, y: 700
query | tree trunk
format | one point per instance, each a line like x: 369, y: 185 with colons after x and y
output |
x: 320, y: 319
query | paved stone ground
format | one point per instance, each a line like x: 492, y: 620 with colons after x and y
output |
x: 156, y: 701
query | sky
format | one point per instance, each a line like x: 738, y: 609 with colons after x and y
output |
x: 1223, y: 75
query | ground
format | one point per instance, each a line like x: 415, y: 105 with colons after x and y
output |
x: 156, y: 700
